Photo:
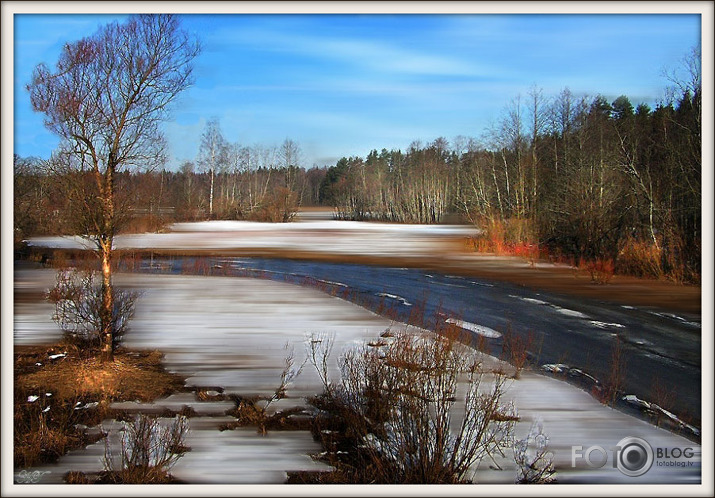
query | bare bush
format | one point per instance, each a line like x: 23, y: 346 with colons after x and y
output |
x: 516, y: 349
x: 601, y: 270
x: 280, y: 206
x: 77, y: 296
x: 149, y: 448
x: 399, y: 401
x: 534, y: 461
x: 616, y: 374
x: 319, y: 347
x: 663, y: 397
x: 288, y: 375
x: 640, y: 258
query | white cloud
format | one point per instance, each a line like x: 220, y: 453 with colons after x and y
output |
x: 363, y: 54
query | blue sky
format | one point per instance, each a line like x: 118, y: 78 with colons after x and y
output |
x: 342, y: 85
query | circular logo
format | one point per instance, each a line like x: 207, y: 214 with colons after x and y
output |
x: 635, y: 456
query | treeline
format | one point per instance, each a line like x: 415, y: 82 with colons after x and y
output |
x: 49, y: 202
x: 413, y: 187
x: 574, y: 177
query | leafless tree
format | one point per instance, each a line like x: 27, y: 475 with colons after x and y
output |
x: 213, y: 154
x: 106, y: 98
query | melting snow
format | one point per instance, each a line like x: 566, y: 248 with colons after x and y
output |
x: 563, y: 311
x: 531, y: 300
x: 479, y: 329
x: 555, y: 367
x: 568, y: 312
x: 329, y: 282
x: 603, y: 325
x: 393, y: 296
x: 673, y: 316
x: 635, y: 400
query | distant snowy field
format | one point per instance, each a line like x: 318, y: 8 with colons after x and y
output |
x: 322, y: 236
x: 232, y: 333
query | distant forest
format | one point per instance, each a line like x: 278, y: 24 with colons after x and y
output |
x: 575, y: 177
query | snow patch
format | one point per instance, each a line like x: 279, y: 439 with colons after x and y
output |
x: 531, y: 300
x: 393, y: 296
x: 673, y: 316
x: 482, y: 284
x: 330, y: 282
x: 603, y: 325
x: 635, y: 400
x: 555, y: 367
x: 473, y: 327
x: 563, y: 311
x: 645, y: 405
x: 568, y: 312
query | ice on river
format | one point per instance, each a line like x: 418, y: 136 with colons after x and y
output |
x: 563, y: 311
x: 232, y: 333
x: 477, y: 329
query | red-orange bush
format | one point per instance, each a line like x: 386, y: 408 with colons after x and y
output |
x: 601, y: 270
x: 512, y: 237
x: 639, y: 258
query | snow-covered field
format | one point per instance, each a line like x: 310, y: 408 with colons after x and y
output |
x: 233, y: 332
x: 319, y: 236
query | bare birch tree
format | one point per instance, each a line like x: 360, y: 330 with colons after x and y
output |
x: 212, y: 154
x: 106, y: 98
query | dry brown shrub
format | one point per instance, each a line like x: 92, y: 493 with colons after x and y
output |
x: 639, y: 258
x: 149, y: 447
x: 77, y: 477
x: 513, y: 236
x: 516, y: 349
x: 601, y: 270
x: 279, y: 206
x: 391, y: 412
x: 612, y: 388
x: 662, y: 396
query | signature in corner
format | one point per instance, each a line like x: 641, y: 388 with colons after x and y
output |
x: 30, y: 477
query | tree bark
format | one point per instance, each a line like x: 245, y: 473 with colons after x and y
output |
x: 106, y: 241
x: 107, y: 304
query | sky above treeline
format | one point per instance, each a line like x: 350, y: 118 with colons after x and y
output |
x: 344, y: 84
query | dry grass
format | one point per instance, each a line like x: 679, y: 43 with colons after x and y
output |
x: 154, y: 476
x: 130, y: 376
x: 60, y: 388
x: 512, y: 237
x: 640, y: 259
